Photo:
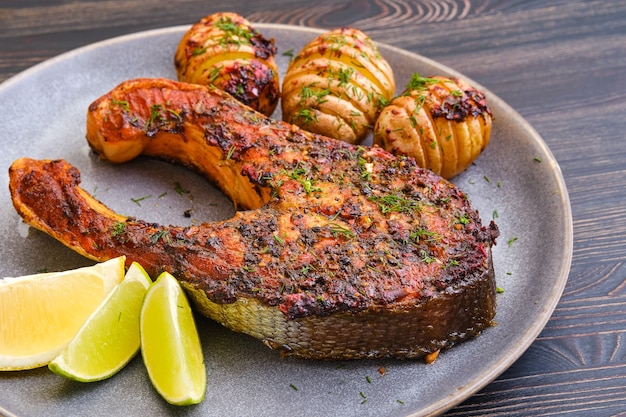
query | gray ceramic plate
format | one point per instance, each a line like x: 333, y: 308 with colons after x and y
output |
x: 42, y: 114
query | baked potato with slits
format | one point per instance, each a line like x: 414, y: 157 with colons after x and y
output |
x: 224, y: 50
x: 336, y: 85
x: 444, y: 123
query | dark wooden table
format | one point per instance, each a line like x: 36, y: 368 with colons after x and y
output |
x: 561, y: 64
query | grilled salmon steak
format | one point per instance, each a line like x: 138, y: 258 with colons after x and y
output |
x: 336, y: 251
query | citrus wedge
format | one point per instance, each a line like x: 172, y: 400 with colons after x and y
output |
x: 41, y: 313
x: 109, y: 339
x: 170, y: 345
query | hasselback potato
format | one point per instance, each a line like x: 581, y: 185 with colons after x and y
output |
x: 336, y: 85
x: 225, y: 51
x: 444, y: 123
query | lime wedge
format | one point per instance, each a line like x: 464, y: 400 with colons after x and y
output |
x: 170, y: 345
x: 41, y: 313
x: 109, y: 339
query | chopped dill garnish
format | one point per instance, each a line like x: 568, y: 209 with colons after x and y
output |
x: 140, y: 199
x: 337, y: 229
x: 231, y: 151
x: 299, y: 173
x: 118, y: 228
x: 363, y: 396
x: 426, y: 257
x: 198, y: 51
x: 279, y: 240
x: 214, y: 73
x: 464, y: 219
x: 304, y: 117
x: 160, y: 234
x: 309, y: 91
x: 234, y: 34
x: 420, y: 83
x: 179, y: 188
x: 155, y: 113
x: 395, y: 203
x: 420, y: 233
x: 121, y: 103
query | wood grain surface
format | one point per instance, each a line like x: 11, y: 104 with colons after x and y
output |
x: 561, y: 64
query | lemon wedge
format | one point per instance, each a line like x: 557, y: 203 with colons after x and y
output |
x: 109, y: 339
x: 41, y: 313
x: 170, y: 345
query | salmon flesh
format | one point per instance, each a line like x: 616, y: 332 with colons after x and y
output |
x: 336, y: 251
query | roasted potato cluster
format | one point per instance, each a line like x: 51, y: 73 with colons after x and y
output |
x: 224, y: 50
x: 336, y: 85
x: 444, y: 123
x: 339, y: 85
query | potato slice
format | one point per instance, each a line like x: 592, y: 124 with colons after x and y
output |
x: 448, y: 124
x: 337, y: 85
x: 224, y: 50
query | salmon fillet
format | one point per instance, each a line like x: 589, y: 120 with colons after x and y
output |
x: 336, y: 251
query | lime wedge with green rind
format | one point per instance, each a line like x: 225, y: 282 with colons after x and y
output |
x: 170, y: 345
x: 110, y: 338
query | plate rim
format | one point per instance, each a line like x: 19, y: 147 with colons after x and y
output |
x: 530, y: 334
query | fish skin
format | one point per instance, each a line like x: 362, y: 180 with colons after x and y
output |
x: 327, y: 234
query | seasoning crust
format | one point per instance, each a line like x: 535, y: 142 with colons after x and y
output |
x: 442, y: 122
x: 225, y: 51
x: 336, y: 85
x: 337, y: 250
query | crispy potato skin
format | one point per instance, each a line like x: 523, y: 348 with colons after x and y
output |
x: 443, y: 123
x: 225, y: 51
x: 337, y: 85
